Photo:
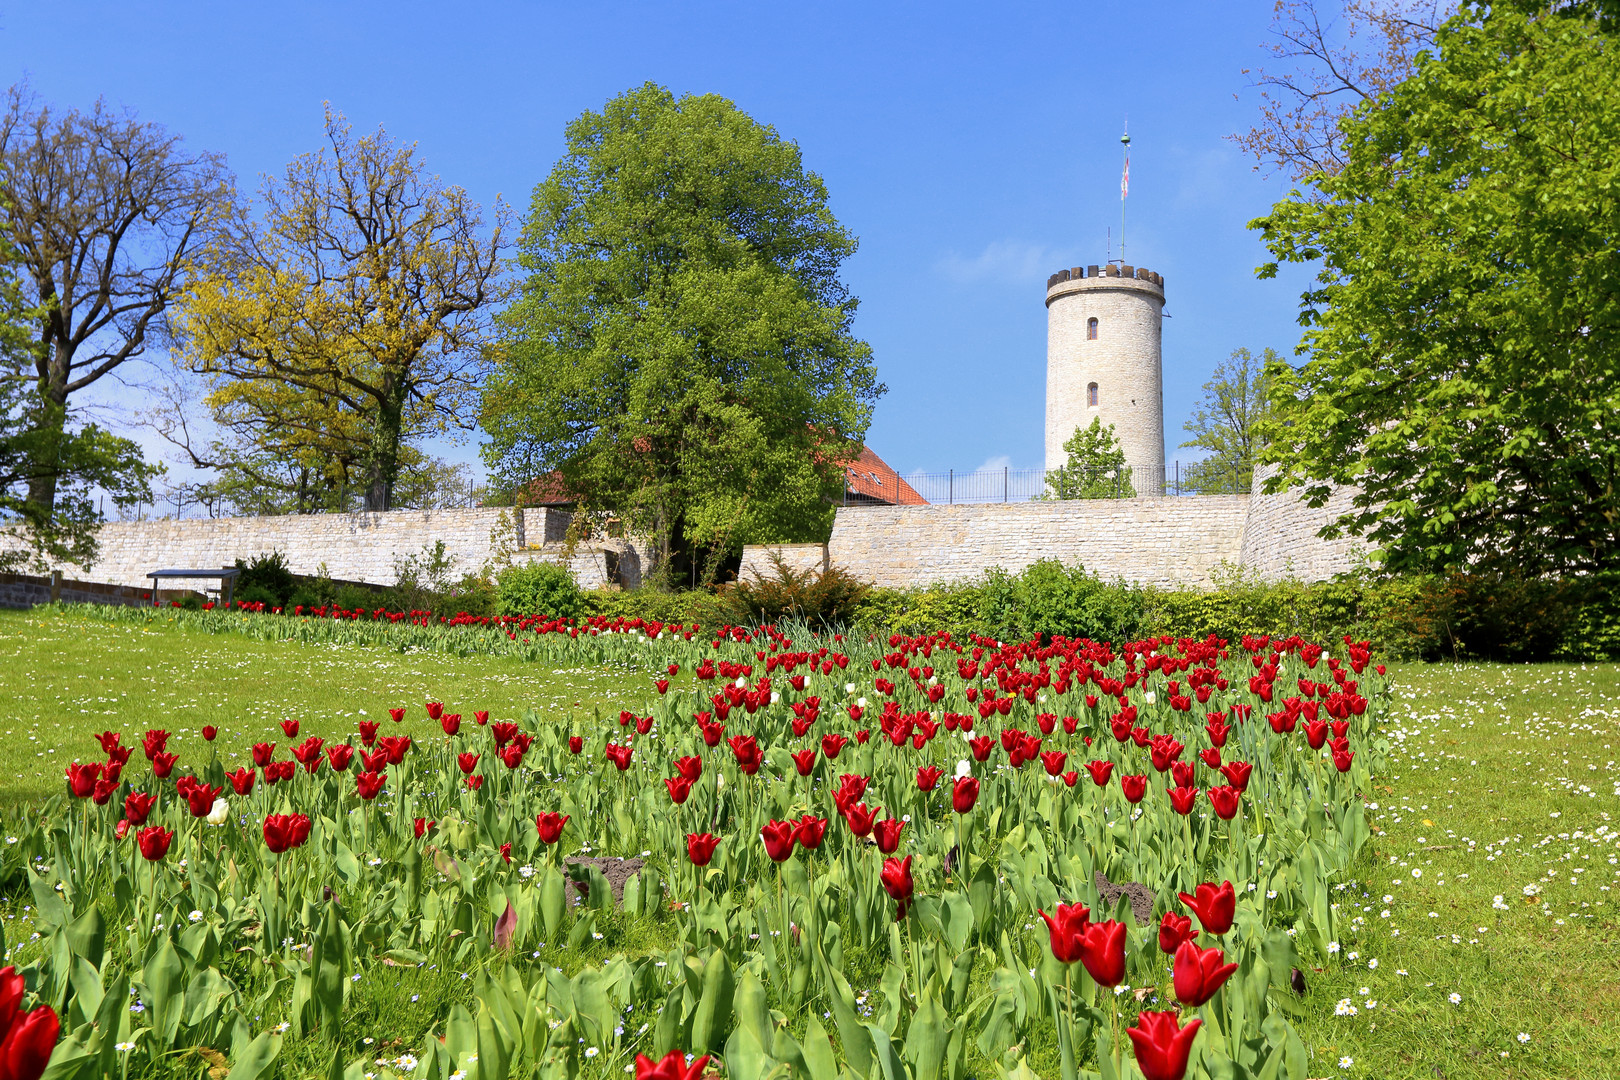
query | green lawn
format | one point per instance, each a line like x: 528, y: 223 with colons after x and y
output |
x: 68, y: 678
x: 1505, y: 784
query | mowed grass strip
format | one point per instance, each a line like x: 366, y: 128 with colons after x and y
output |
x: 67, y: 678
x: 1504, y: 784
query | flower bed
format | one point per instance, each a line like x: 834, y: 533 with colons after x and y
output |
x: 868, y: 833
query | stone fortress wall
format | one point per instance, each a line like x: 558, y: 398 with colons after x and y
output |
x: 355, y: 547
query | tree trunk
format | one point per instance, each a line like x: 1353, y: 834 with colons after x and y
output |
x: 51, y: 423
x: 383, y: 467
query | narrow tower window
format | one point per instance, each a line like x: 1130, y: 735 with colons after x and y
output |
x: 1091, y: 331
x: 1091, y: 395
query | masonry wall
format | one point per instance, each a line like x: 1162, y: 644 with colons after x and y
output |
x: 26, y: 590
x: 1279, y: 537
x: 1158, y: 541
x: 353, y: 547
x: 756, y: 558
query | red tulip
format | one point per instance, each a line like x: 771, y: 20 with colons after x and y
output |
x: 679, y: 788
x: 1100, y: 772
x: 1071, y: 777
x: 82, y: 779
x: 340, y: 755
x: 861, y: 819
x: 163, y: 764
x: 201, y: 799
x: 1053, y: 761
x: 810, y: 831
x: 1211, y: 757
x: 368, y: 784
x: 550, y: 826
x: 832, y: 744
x: 241, y: 781
x: 26, y: 1039
x: 897, y: 882
x: 434, y: 710
x: 118, y: 755
x: 137, y: 805
x: 121, y: 830
x: 109, y: 742
x: 964, y: 794
x: 103, y: 792
x: 1225, y: 801
x: 1164, y: 751
x: 1102, y: 951
x: 862, y: 736
x: 1237, y: 774
x: 779, y: 838
x: 396, y: 715
x: 482, y: 716
x: 423, y: 826
x: 154, y: 842
x: 155, y: 742
x: 1182, y: 799
x: 368, y: 732
x: 1067, y: 926
x: 467, y: 762
x: 450, y: 722
x: 700, y: 848
x: 209, y: 731
x: 263, y: 753
x: 887, y: 834
x: 284, y: 831
x: 690, y: 768
x: 1134, y: 787
x: 672, y: 1066
x: 619, y: 755
x: 290, y: 728
x: 804, y: 760
x: 1173, y: 930
x: 981, y: 747
x: 1162, y: 1045
x: 1213, y: 905
x: 928, y: 776
x: 1342, y: 760
x: 1181, y: 773
x: 1199, y: 973
x: 506, y: 849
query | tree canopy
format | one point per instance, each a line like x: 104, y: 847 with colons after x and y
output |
x: 1094, y: 469
x: 1226, y: 423
x: 1462, y: 337
x: 681, y: 352
x: 349, y: 319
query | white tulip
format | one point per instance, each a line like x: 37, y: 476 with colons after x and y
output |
x: 219, y: 813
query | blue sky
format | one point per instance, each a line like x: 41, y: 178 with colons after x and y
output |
x: 973, y: 148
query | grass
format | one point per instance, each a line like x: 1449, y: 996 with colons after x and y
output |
x: 1503, y: 778
x: 68, y: 678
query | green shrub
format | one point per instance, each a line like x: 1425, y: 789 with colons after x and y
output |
x: 359, y: 598
x: 539, y: 588
x: 256, y: 594
x: 305, y: 597
x: 819, y: 598
x: 269, y: 573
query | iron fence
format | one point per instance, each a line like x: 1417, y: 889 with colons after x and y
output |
x: 1008, y: 485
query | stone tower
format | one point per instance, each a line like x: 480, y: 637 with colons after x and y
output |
x: 1103, y: 360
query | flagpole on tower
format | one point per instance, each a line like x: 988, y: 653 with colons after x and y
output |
x: 1124, y: 188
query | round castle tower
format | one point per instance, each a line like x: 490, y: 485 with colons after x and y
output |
x: 1103, y: 360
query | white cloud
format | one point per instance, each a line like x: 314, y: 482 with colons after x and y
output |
x: 1010, y: 261
x: 995, y: 464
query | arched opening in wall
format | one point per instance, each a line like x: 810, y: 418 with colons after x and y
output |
x: 1091, y: 329
x: 1091, y: 395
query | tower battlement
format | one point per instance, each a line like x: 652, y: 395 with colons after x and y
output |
x: 1112, y: 270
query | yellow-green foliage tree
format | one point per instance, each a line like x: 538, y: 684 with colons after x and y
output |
x: 346, y: 320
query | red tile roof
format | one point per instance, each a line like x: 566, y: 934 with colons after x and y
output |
x: 868, y: 479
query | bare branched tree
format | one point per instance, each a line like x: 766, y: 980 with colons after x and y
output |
x: 106, y: 213
x: 1339, y: 57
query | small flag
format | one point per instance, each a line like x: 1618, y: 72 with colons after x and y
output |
x: 1125, y: 179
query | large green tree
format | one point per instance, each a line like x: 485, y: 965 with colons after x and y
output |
x: 1463, y: 333
x: 42, y: 443
x: 1227, y: 422
x: 681, y: 352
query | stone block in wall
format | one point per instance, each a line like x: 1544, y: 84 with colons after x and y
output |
x: 756, y: 559
x: 1280, y: 536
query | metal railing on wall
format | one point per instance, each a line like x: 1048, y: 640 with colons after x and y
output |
x: 1008, y: 485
